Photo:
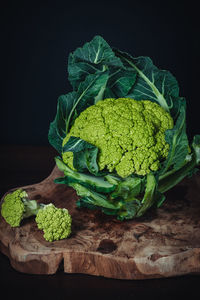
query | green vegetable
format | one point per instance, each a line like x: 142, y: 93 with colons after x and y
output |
x: 55, y: 222
x: 16, y: 207
x: 129, y: 134
x: 121, y: 133
x: 97, y: 183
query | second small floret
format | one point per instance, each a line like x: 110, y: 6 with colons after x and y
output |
x: 55, y: 222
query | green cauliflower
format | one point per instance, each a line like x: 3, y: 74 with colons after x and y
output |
x: 121, y: 154
x: 55, y: 222
x: 129, y: 134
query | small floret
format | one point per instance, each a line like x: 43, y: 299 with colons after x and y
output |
x: 16, y: 206
x: 55, y: 222
x: 130, y: 135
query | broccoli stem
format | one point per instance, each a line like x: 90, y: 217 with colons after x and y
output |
x: 31, y: 207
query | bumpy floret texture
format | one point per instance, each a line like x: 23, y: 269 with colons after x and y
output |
x: 130, y: 135
x: 13, y: 208
x: 55, y: 222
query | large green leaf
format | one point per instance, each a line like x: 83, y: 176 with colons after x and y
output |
x: 152, y: 83
x: 171, y: 178
x: 128, y: 188
x: 178, y: 142
x: 120, y: 82
x: 71, y: 104
x: 89, y: 90
x: 99, y: 184
x: 84, y: 155
x: 95, y: 57
x: 57, y: 130
x: 94, y: 198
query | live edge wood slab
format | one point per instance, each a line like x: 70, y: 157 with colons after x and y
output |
x: 163, y: 243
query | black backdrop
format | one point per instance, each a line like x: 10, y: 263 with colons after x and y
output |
x: 37, y: 37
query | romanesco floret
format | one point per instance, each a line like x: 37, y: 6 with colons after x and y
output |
x: 130, y: 135
x: 55, y: 222
x: 16, y: 207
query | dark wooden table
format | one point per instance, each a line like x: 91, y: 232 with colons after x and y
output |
x: 24, y: 165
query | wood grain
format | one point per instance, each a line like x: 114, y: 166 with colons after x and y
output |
x: 163, y: 243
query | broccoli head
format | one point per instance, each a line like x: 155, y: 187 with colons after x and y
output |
x: 16, y: 206
x: 55, y: 222
x: 129, y: 134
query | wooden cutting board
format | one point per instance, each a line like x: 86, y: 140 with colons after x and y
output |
x: 163, y: 243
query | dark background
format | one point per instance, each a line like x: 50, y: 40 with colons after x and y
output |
x: 37, y: 37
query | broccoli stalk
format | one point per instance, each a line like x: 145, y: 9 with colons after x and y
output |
x: 55, y: 222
